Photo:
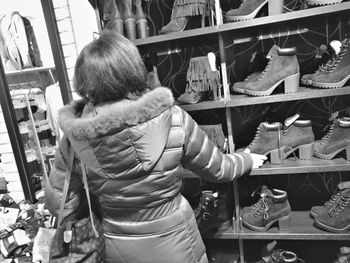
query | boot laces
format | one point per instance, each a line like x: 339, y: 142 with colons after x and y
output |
x: 261, y: 207
x: 262, y: 75
x: 339, y: 57
x: 339, y: 207
x: 256, y: 136
x: 326, y: 137
x: 334, y: 198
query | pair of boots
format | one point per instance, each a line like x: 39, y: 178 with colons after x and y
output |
x: 120, y: 18
x: 282, y: 68
x: 279, y: 141
x: 335, y: 73
x: 334, y: 214
x: 212, y: 212
x: 272, y: 207
x: 183, y: 10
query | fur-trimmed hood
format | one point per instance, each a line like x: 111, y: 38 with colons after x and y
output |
x: 114, y: 116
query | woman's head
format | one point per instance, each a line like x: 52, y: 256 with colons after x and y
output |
x: 109, y: 68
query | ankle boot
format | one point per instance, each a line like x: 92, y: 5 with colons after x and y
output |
x: 282, y: 68
x: 141, y: 21
x: 129, y: 19
x: 297, y: 135
x: 337, y: 218
x: 322, y: 2
x: 240, y: 86
x: 337, y: 72
x: 112, y: 17
x: 209, y: 215
x: 247, y: 10
x: 272, y: 207
x: 335, y: 141
x: 181, y: 13
x: 315, y: 210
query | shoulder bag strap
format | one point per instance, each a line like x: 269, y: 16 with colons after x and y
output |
x: 66, y: 185
x: 83, y: 169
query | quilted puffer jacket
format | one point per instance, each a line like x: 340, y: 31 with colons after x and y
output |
x: 134, y: 151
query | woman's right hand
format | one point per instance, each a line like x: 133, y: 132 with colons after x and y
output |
x: 258, y: 159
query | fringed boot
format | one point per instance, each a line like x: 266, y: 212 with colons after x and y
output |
x: 200, y: 80
x: 182, y: 11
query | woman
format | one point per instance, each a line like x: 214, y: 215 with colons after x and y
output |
x: 134, y: 142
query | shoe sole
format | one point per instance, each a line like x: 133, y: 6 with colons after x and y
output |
x: 291, y: 85
x: 324, y: 85
x: 310, y: 2
x: 238, y: 90
x: 246, y: 17
x: 307, y: 82
x: 264, y: 229
x: 331, y: 155
x: 331, y: 229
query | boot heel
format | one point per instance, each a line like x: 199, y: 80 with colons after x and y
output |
x: 306, y: 151
x: 276, y: 156
x: 130, y: 28
x: 284, y: 223
x: 347, y: 149
x: 291, y: 84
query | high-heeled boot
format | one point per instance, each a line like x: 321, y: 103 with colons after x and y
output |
x: 141, y: 21
x: 112, y: 17
x: 129, y: 19
x: 182, y: 11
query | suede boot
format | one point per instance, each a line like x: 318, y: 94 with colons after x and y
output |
x: 273, y: 206
x: 337, y: 218
x: 336, y: 140
x: 282, y: 68
x: 247, y: 10
x: 337, y: 73
x: 323, y: 2
x: 298, y: 135
x: 315, y: 210
x: 211, y: 213
x: 112, y: 17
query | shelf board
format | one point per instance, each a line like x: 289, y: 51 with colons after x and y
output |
x: 178, y: 39
x: 302, y: 228
x: 228, y: 234
x: 303, y: 93
x: 203, y: 105
x: 28, y: 70
x: 289, y: 18
x: 291, y: 166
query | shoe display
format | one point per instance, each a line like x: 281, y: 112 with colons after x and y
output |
x: 181, y: 13
x: 315, y: 210
x: 246, y: 11
x: 335, y: 73
x: 272, y: 207
x: 279, y: 141
x: 337, y: 218
x: 323, y: 2
x: 212, y: 213
x: 283, y: 67
x: 335, y: 141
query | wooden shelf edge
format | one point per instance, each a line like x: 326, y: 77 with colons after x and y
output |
x: 29, y: 70
x: 203, y: 105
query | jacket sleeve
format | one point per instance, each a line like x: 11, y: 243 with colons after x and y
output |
x: 203, y: 157
x: 54, y: 187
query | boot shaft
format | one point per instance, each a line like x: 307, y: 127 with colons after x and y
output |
x: 298, y: 133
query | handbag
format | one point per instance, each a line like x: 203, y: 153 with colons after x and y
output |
x: 77, y: 239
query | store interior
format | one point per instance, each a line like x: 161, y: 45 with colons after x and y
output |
x: 217, y: 62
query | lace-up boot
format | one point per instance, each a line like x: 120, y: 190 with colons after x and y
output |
x: 247, y: 10
x: 336, y: 140
x: 337, y: 72
x: 323, y: 2
x: 283, y: 67
x: 211, y: 213
x: 337, y: 218
x: 315, y: 210
x: 240, y: 86
x: 297, y: 135
x: 266, y: 141
x: 272, y: 207
x: 308, y: 79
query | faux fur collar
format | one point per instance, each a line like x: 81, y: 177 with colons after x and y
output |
x: 116, y: 116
